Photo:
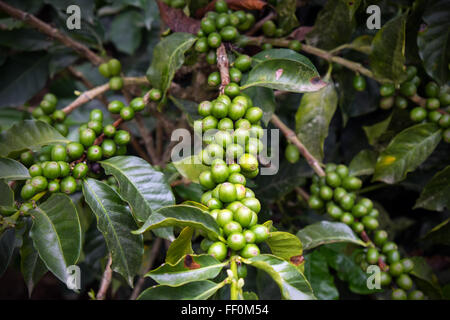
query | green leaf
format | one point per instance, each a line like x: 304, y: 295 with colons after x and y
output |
x: 126, y: 31
x: 286, y: 18
x: 143, y: 187
x: 25, y: 73
x: 180, y: 216
x: 318, y: 273
x: 292, y: 283
x: 363, y: 163
x: 375, y: 131
x: 32, y: 267
x: 13, y: 170
x: 286, y: 246
x: 7, y: 243
x: 168, y: 57
x: 434, y: 41
x: 285, y: 75
x: 425, y: 279
x: 281, y: 53
x: 263, y: 98
x: 388, y: 50
x: 362, y: 44
x: 115, y: 222
x: 189, y: 268
x: 181, y: 246
x: 24, y: 40
x: 435, y: 195
x: 248, y: 295
x: 440, y: 234
x: 406, y: 152
x: 56, y: 234
x: 28, y: 135
x: 325, y: 232
x: 190, y: 108
x: 334, y: 25
x: 190, y: 168
x: 10, y: 116
x: 346, y: 267
x: 313, y: 118
x: 7, y: 198
x: 198, y: 290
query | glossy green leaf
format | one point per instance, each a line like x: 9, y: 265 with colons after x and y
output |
x: 7, y: 243
x: 334, y: 25
x: 318, y: 274
x: 7, y: 198
x: 325, y: 232
x: 434, y: 40
x: 285, y: 75
x: 406, y: 152
x: 388, y: 50
x: 286, y: 246
x: 189, y: 268
x: 168, y: 57
x: 31, y: 265
x: 190, y: 168
x: 142, y: 186
x: 180, y: 216
x: 13, y: 170
x: 198, y: 290
x: 435, y: 195
x: 313, y: 118
x: 281, y: 53
x: 11, y: 116
x: 25, y: 73
x: 363, y: 163
x: 56, y: 234
x: 115, y: 222
x: 248, y: 295
x: 292, y: 283
x: 263, y: 98
x: 286, y: 18
x: 28, y: 135
x: 425, y: 279
x: 181, y: 246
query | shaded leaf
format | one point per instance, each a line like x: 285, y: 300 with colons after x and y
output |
x: 7, y: 243
x: 440, y: 234
x: 376, y: 130
x: 126, y: 31
x: 292, y: 283
x: 189, y: 268
x: 435, y: 195
x: 56, y: 234
x: 434, y: 40
x: 115, y: 222
x: 388, y: 50
x: 286, y: 18
x: 25, y: 73
x: 180, y: 216
x: 406, y: 152
x: 24, y: 40
x: 198, y: 290
x: 181, y: 246
x: 425, y: 279
x: 325, y: 232
x: 13, y: 170
x: 168, y: 57
x: 7, y: 198
x: 248, y: 295
x: 363, y: 163
x: 313, y: 118
x: 28, y: 135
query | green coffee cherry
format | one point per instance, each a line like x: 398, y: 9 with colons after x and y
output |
x: 137, y: 104
x: 94, y: 153
x: 114, y: 67
x: 27, y: 191
x: 80, y: 170
x: 155, y: 94
x: 218, y: 250
x: 87, y: 137
x: 74, y: 150
x: 115, y: 106
x: 249, y: 251
x: 243, y: 62
x: 359, y: 83
x: 127, y: 113
x: 122, y: 137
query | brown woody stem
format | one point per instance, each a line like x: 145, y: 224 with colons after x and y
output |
x: 222, y: 64
x: 106, y: 280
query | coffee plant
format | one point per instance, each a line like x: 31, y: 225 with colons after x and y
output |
x: 220, y: 149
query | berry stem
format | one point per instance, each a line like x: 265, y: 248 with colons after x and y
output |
x: 260, y: 23
x: 292, y: 137
x: 234, y: 290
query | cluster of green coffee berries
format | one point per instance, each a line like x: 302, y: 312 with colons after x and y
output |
x: 232, y: 135
x: 112, y: 69
x: 46, y: 111
x: 335, y: 193
x: 219, y: 26
x: 270, y: 30
x: 437, y: 103
x: 127, y: 113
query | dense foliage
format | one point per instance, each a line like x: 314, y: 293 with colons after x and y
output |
x: 350, y: 200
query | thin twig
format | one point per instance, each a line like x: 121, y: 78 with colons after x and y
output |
x: 106, y: 280
x: 302, y: 193
x: 292, y: 137
x: 86, y: 82
x: 138, y: 287
x: 52, y: 32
